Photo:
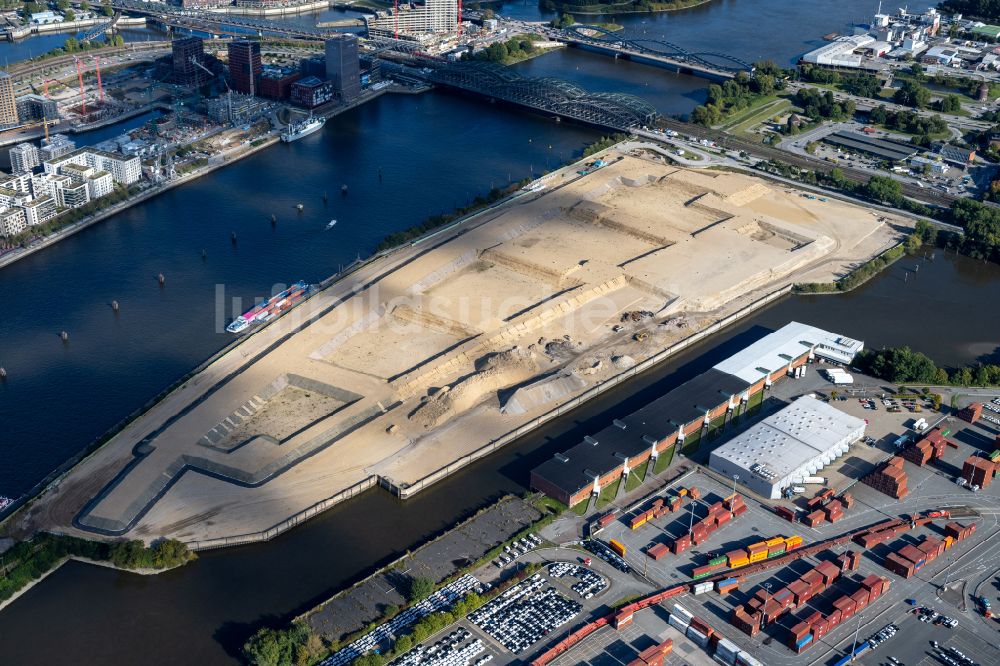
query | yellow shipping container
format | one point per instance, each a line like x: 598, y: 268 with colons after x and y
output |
x: 682, y: 492
x: 739, y: 562
x: 775, y: 541
x: 795, y: 539
x: 617, y: 547
x: 758, y: 556
x: 948, y: 542
x: 640, y: 523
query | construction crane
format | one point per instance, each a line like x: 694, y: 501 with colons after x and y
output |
x: 229, y: 92
x: 79, y: 76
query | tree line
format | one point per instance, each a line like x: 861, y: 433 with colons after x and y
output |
x: 27, y: 561
x: 739, y: 93
x: 901, y: 365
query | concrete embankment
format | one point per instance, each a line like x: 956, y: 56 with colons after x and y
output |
x: 65, y: 232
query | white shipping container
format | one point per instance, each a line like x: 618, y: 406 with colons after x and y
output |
x: 677, y: 623
x: 680, y: 610
x: 726, y: 645
x: 727, y: 659
x: 698, y: 638
x: 746, y: 659
x: 702, y: 588
x: 814, y: 479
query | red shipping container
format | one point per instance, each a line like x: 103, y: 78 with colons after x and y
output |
x: 606, y: 519
x: 741, y: 509
x: 912, y: 554
x: 860, y: 599
x: 820, y: 627
x: 828, y: 570
x: 833, y: 618
x: 785, y: 513
x: 722, y: 518
x: 799, y: 630
x: 702, y: 626
x: 657, y: 551
x: 815, y: 518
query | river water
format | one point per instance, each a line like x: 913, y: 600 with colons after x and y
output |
x: 436, y: 151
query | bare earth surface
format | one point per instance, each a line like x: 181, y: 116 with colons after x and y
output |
x: 414, y: 353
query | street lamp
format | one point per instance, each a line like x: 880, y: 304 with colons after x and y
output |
x: 857, y: 630
x: 732, y: 501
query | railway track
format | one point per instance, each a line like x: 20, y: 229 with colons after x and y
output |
x: 731, y: 142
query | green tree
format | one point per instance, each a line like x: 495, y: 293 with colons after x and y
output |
x: 950, y: 104
x: 420, y: 588
x: 912, y: 94
x: 84, y: 6
x: 917, y: 70
x: 884, y: 189
x: 68, y: 15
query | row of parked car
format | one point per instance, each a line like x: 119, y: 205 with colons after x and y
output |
x: 955, y: 657
x: 516, y: 550
x: 455, y: 649
x: 440, y: 600
x: 604, y: 552
x: 525, y: 613
x: 589, y: 584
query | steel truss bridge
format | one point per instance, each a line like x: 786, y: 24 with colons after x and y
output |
x: 549, y: 95
x: 710, y: 63
x: 101, y: 28
x: 218, y: 23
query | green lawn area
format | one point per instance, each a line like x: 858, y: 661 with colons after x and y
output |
x: 691, y: 443
x: 581, y: 507
x: 663, y: 461
x: 746, y: 121
x: 716, y: 425
x: 636, y: 476
x: 608, y: 493
x: 752, y: 110
x: 546, y: 504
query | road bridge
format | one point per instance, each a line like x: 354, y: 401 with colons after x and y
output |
x: 218, y: 23
x: 705, y: 64
x: 551, y: 96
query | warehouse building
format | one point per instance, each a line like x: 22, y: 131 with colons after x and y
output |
x: 883, y: 149
x: 723, y: 392
x: 785, y: 448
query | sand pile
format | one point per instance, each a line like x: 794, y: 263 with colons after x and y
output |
x: 548, y: 389
x: 493, y: 372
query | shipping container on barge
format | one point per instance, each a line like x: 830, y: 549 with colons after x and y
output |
x: 271, y: 308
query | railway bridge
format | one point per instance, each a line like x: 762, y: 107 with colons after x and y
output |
x: 705, y: 64
x: 547, y: 95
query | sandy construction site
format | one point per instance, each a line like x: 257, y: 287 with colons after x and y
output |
x: 427, y: 355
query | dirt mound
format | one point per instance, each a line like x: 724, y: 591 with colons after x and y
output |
x: 493, y: 372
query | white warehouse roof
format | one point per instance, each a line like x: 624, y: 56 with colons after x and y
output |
x: 774, y: 351
x: 788, y: 446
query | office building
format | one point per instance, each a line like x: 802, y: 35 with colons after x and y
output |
x: 343, y: 68
x: 24, y: 157
x: 276, y: 82
x: 433, y: 17
x: 8, y: 103
x: 310, y: 92
x: 35, y: 107
x: 244, y: 66
x: 313, y: 66
x: 188, y: 53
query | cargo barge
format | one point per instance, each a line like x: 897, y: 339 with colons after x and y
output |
x: 271, y: 308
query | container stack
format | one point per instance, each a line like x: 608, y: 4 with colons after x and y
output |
x: 978, y: 471
x: 909, y: 559
x: 959, y: 532
x: 889, y: 478
x: 810, y: 630
x: 786, y: 513
x: 699, y: 632
x: 764, y: 608
x: 680, y: 544
x: 680, y: 619
x: 971, y: 413
x: 654, y: 656
x: 607, y: 518
x: 815, y: 518
x: 657, y: 551
x: 671, y: 502
x: 727, y: 585
x: 931, y: 447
